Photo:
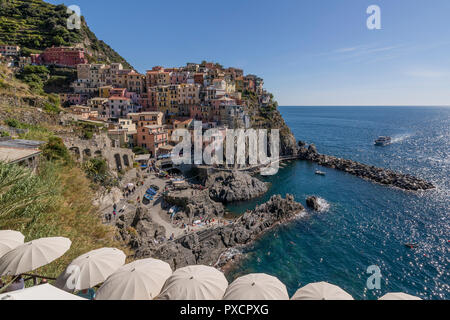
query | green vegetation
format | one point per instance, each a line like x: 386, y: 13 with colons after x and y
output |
x: 55, y: 150
x: 33, y: 132
x: 140, y: 150
x: 97, y: 170
x: 35, y: 77
x: 36, y: 25
x: 57, y: 201
x: 4, y: 134
x: 60, y: 79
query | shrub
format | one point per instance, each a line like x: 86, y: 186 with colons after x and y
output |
x: 139, y: 150
x: 97, y: 171
x: 51, y: 108
x: 55, y: 150
x: 13, y: 123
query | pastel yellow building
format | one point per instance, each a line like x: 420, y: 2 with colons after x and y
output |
x: 104, y: 92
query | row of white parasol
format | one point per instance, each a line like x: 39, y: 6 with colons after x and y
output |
x: 150, y: 279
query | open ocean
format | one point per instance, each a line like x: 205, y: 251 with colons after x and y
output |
x: 365, y: 224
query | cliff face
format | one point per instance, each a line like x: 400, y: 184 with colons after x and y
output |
x: 268, y: 117
x: 36, y: 25
x: 228, y: 187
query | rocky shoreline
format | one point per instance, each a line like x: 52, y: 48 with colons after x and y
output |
x: 371, y: 173
x: 208, y: 246
x: 234, y: 186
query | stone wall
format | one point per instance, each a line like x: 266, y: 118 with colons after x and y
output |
x: 100, y: 146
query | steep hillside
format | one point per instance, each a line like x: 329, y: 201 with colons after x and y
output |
x: 269, y: 117
x: 36, y: 25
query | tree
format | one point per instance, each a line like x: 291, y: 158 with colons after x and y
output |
x: 55, y: 150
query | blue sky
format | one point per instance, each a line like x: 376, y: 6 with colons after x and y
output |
x: 309, y: 52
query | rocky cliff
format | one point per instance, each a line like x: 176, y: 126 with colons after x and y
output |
x: 208, y: 246
x: 195, y: 204
x: 234, y: 186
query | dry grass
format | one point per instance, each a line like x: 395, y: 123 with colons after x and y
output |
x: 68, y: 213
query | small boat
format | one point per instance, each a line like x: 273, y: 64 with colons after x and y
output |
x: 320, y: 173
x: 411, y: 245
x: 383, y: 141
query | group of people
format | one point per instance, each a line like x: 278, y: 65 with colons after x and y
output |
x: 109, y: 216
x: 129, y: 190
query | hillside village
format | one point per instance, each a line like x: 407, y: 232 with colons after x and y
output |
x: 140, y: 111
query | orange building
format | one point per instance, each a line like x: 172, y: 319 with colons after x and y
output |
x: 152, y: 138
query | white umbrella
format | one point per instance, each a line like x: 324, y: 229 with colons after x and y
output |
x: 32, y: 255
x: 41, y: 292
x: 90, y: 269
x: 195, y: 283
x: 139, y: 280
x: 398, y: 296
x: 321, y: 291
x: 257, y: 286
x: 10, y: 240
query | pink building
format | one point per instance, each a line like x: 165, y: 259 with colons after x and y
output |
x: 60, y: 56
x: 73, y: 98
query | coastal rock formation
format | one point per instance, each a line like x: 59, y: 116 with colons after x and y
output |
x: 195, y: 204
x: 207, y: 246
x: 313, y: 203
x: 372, y: 173
x: 234, y: 186
x: 137, y: 229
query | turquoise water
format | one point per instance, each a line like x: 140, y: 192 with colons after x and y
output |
x: 365, y: 224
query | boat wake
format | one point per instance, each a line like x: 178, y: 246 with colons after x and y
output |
x: 400, y: 137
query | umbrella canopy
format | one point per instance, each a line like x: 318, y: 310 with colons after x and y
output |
x: 90, y: 269
x: 32, y: 255
x: 41, y: 292
x: 195, y: 283
x: 139, y: 280
x: 10, y: 240
x: 321, y: 291
x: 398, y: 296
x: 257, y: 286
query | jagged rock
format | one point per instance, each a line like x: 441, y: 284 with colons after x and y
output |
x: 313, y: 203
x: 379, y: 175
x: 207, y: 246
x: 197, y: 204
x: 233, y: 186
x: 312, y: 149
x: 137, y: 229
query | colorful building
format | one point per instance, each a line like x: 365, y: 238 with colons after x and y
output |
x: 142, y: 119
x: 152, y: 138
x: 157, y: 77
x: 60, y: 56
x: 9, y: 50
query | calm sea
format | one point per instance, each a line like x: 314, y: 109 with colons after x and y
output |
x: 365, y: 224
